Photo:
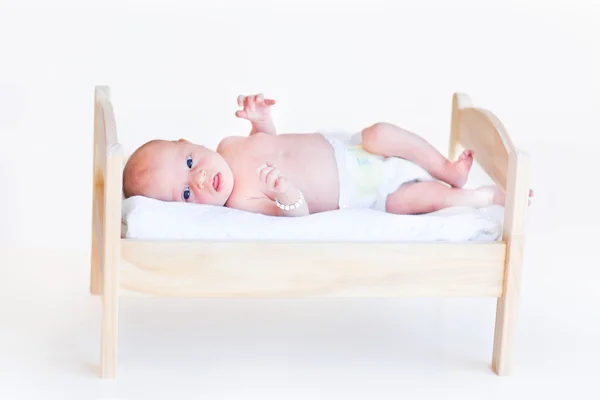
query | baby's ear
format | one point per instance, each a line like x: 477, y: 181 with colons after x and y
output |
x: 182, y: 140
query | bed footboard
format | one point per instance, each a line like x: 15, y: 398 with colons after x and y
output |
x: 509, y: 167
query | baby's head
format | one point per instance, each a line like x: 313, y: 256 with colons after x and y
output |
x: 178, y: 171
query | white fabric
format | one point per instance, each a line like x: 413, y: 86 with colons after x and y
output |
x: 149, y: 219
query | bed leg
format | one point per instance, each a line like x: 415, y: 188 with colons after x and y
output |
x: 110, y: 261
x: 517, y: 197
x: 110, y: 319
x: 506, y: 309
x: 96, y: 268
x: 95, y: 281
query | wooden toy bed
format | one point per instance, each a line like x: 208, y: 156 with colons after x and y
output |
x: 121, y: 266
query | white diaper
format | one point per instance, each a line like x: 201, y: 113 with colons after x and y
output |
x: 366, y: 179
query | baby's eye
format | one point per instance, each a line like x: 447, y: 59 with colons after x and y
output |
x: 186, y: 193
x: 189, y: 161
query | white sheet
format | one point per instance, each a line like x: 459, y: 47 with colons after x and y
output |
x: 150, y: 219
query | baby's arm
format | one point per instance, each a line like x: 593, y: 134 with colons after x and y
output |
x: 256, y: 110
x: 265, y: 126
x: 266, y: 206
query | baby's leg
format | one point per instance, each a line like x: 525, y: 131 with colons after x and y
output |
x: 426, y: 197
x: 388, y: 140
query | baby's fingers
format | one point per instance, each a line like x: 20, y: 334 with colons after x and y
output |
x: 272, y: 178
x: 240, y: 100
x: 250, y: 102
x: 264, y: 173
x: 260, y: 168
x: 260, y: 99
x: 281, y: 185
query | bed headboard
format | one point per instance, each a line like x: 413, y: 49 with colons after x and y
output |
x: 480, y: 130
x: 107, y: 187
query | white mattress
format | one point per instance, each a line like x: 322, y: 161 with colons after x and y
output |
x: 149, y: 219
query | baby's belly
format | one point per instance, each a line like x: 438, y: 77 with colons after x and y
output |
x: 309, y: 163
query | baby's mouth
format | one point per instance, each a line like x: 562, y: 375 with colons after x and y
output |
x: 217, y: 181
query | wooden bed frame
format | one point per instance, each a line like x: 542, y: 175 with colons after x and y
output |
x: 121, y: 266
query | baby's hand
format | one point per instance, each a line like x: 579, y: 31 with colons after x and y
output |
x: 255, y: 108
x: 272, y: 180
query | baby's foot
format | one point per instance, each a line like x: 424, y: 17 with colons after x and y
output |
x: 458, y: 171
x: 495, y: 194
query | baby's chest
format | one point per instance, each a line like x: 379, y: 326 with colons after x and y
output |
x: 247, y: 157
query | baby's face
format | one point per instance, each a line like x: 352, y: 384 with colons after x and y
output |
x: 186, y: 172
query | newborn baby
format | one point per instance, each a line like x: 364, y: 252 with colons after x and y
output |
x: 383, y: 167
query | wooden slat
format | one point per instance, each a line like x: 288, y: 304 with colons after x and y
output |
x: 99, y: 134
x: 205, y: 269
x: 97, y: 189
x: 107, y: 204
x: 97, y: 240
x: 105, y: 132
x: 514, y: 233
x: 111, y: 251
x: 105, y: 136
x: 459, y: 101
x: 109, y: 122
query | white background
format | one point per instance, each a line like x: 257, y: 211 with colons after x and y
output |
x: 175, y: 71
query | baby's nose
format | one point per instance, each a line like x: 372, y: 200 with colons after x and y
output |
x: 200, y: 179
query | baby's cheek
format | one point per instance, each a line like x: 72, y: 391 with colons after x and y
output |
x: 200, y: 197
x: 149, y: 190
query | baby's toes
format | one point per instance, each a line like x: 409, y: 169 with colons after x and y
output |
x: 467, y: 154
